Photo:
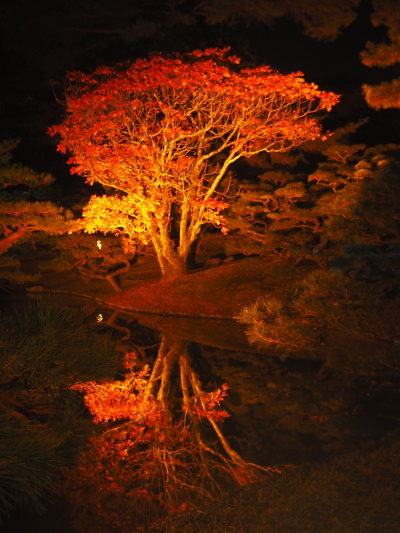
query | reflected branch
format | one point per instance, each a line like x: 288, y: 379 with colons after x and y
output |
x: 151, y: 452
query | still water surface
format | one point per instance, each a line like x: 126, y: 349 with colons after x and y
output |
x: 280, y: 412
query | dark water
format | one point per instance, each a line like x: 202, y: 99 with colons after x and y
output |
x: 282, y: 411
x: 219, y: 336
x: 55, y: 519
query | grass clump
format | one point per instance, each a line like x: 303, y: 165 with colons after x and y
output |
x: 358, y: 491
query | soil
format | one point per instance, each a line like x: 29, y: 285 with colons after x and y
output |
x: 218, y: 292
x: 209, y: 292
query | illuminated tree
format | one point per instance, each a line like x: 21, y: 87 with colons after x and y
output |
x: 163, y: 133
x: 385, y: 54
x: 21, y: 215
x: 152, y: 455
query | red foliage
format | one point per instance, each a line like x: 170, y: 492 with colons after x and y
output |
x: 119, y: 400
x: 148, y: 455
x: 164, y: 131
x: 208, y: 402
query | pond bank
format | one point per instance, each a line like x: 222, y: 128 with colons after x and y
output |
x: 218, y: 292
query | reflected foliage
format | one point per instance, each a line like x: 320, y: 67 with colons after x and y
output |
x: 153, y: 455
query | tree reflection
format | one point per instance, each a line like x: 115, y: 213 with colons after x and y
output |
x: 153, y: 453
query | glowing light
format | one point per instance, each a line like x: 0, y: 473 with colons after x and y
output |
x: 99, y: 317
x: 99, y: 244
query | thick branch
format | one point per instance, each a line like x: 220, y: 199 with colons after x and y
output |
x: 12, y: 239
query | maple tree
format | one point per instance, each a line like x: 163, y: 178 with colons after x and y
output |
x: 163, y: 133
x: 151, y: 452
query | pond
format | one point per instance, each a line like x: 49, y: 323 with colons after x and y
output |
x: 280, y: 411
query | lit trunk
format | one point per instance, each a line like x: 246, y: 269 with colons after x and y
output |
x: 172, y: 266
x: 172, y: 263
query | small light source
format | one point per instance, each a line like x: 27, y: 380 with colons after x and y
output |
x: 99, y: 317
x: 99, y: 245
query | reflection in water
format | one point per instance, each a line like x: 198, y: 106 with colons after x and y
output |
x: 226, y: 334
x: 155, y: 452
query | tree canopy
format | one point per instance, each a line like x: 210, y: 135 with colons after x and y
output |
x: 163, y: 133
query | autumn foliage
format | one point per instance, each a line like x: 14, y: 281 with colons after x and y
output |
x: 151, y: 456
x: 163, y: 132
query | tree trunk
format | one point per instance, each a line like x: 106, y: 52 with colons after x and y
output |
x: 172, y: 265
x: 175, y: 271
